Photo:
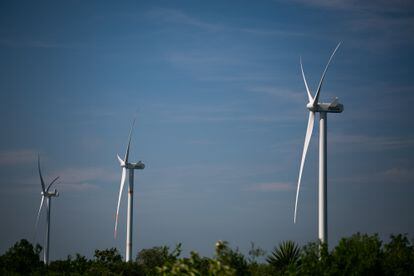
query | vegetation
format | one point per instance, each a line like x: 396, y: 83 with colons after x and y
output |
x: 359, y: 254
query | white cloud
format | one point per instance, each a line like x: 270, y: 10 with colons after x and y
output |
x: 270, y: 187
x: 393, y: 175
x: 281, y: 93
x: 17, y: 157
x: 46, y: 44
x: 85, y: 178
x: 70, y: 179
x: 357, y: 142
x: 356, y: 5
x: 177, y: 16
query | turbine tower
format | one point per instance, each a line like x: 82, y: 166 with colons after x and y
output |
x: 315, y: 106
x: 130, y: 167
x: 48, y: 195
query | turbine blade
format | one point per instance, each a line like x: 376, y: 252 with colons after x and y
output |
x: 42, y: 182
x: 50, y: 185
x: 38, y: 214
x: 121, y: 188
x: 129, y: 142
x: 305, y: 150
x: 304, y: 80
x: 315, y: 101
x: 121, y: 162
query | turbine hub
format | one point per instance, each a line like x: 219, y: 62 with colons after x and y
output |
x: 311, y: 107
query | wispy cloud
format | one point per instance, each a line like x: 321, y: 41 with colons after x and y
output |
x: 270, y: 187
x: 17, y: 157
x: 200, y: 58
x: 374, y: 25
x: 393, y: 175
x: 270, y: 32
x: 37, y: 43
x: 70, y: 179
x: 179, y: 17
x: 356, y: 5
x: 280, y: 93
x: 370, y: 143
x: 80, y: 179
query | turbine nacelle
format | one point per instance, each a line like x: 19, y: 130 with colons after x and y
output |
x: 333, y: 107
x: 55, y: 193
x: 136, y: 166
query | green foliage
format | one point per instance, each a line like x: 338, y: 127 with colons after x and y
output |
x: 77, y: 266
x: 22, y: 258
x: 232, y: 258
x: 255, y: 253
x: 108, y: 257
x: 256, y: 268
x: 399, y: 256
x: 195, y: 266
x: 357, y: 255
x: 314, y: 259
x: 106, y: 262
x: 157, y: 256
x: 285, y: 257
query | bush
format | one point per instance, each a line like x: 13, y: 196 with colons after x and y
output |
x: 357, y: 255
x: 22, y: 258
x: 285, y: 257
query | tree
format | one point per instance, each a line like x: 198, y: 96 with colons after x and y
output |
x: 232, y: 258
x: 22, y: 258
x: 106, y: 262
x: 256, y: 268
x: 399, y: 256
x: 157, y: 256
x: 357, y: 255
x: 285, y: 257
x: 196, y: 266
x: 80, y: 264
x: 314, y: 259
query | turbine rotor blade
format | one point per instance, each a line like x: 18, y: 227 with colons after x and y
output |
x: 38, y: 214
x: 42, y: 182
x: 50, y: 185
x: 305, y: 150
x: 306, y: 84
x: 121, y: 162
x: 315, y: 101
x: 129, y: 143
x: 121, y: 188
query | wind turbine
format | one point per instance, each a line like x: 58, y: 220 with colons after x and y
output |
x: 315, y: 106
x: 126, y: 165
x: 48, y: 195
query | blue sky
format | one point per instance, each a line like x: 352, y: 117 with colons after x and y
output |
x: 221, y: 119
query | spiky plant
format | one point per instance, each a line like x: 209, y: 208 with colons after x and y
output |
x: 285, y: 256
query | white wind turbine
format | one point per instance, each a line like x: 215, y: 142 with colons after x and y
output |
x: 48, y: 195
x: 126, y: 165
x: 322, y: 108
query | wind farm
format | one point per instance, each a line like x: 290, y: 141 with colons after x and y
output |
x: 241, y: 173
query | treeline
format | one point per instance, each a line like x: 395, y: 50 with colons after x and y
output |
x: 359, y: 254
